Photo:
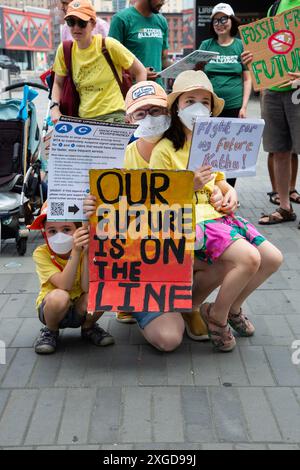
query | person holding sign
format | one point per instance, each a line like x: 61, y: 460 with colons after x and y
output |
x: 230, y: 78
x: 62, y: 267
x: 281, y: 136
x: 99, y: 92
x: 147, y: 105
x: 221, y: 237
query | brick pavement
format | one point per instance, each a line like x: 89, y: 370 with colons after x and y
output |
x: 130, y: 396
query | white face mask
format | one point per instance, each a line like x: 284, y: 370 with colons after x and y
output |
x: 189, y: 115
x: 61, y: 243
x: 152, y: 126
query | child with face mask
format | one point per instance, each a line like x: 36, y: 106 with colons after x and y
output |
x: 62, y: 267
x: 222, y: 239
x: 146, y: 105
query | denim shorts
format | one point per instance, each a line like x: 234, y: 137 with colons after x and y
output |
x: 144, y: 318
x: 72, y: 319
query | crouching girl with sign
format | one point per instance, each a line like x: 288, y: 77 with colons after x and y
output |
x: 247, y: 257
x: 146, y: 104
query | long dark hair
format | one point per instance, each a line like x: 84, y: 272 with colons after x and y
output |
x: 176, y: 133
x: 234, y: 27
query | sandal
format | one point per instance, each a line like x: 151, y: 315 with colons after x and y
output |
x: 296, y: 200
x: 285, y: 216
x: 274, y: 198
x: 241, y: 324
x: 220, y: 335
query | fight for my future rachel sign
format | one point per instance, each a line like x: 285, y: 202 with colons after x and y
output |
x: 275, y: 44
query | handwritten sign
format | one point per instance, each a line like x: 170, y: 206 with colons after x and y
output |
x: 228, y: 145
x: 141, y: 241
x: 77, y: 146
x: 187, y: 63
x: 275, y: 44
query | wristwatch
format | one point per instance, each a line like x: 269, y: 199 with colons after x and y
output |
x: 53, y: 104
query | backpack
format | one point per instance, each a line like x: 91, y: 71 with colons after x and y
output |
x: 69, y: 100
x: 126, y: 82
x: 274, y: 8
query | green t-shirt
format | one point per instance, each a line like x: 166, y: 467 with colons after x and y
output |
x: 284, y: 6
x: 226, y: 71
x: 145, y: 36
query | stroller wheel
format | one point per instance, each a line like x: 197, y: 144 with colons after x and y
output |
x: 21, y: 246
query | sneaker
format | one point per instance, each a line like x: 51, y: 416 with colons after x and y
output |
x: 195, y: 326
x: 97, y: 336
x: 241, y: 324
x: 46, y: 343
x: 220, y: 335
x: 124, y: 317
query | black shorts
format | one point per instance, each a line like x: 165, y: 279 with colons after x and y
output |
x: 72, y: 319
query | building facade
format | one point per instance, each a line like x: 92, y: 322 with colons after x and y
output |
x: 25, y: 3
x: 26, y: 36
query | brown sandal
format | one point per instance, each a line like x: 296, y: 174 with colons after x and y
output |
x: 220, y: 335
x: 295, y: 200
x: 274, y: 198
x: 286, y: 216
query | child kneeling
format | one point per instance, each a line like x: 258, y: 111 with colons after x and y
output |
x: 62, y: 267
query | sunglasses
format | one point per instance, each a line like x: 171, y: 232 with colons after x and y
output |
x: 221, y: 20
x: 71, y: 22
x: 142, y: 113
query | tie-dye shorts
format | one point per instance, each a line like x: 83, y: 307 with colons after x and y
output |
x: 213, y: 237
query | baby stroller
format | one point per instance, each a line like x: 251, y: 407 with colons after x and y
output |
x: 21, y: 195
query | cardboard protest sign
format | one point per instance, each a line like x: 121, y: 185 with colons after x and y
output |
x: 187, y: 63
x: 141, y: 241
x: 275, y: 44
x: 78, y: 145
x: 227, y: 144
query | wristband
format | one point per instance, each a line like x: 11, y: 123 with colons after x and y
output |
x: 53, y: 104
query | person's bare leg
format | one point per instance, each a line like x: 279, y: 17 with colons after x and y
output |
x: 294, y: 172
x: 271, y: 259
x: 271, y: 172
x: 282, y: 167
x: 243, y: 261
x: 165, y: 332
x: 56, y: 306
x: 207, y: 278
x: 81, y: 308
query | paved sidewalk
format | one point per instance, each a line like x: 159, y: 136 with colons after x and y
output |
x: 130, y: 396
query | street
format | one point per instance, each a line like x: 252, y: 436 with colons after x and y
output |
x: 131, y: 396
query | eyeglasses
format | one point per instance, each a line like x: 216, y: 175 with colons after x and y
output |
x: 71, y: 22
x: 155, y: 111
x: 221, y: 20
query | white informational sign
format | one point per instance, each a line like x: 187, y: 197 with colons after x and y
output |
x: 227, y: 144
x: 187, y: 63
x: 78, y: 146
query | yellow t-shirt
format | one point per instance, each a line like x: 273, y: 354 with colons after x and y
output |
x: 94, y: 80
x: 45, y: 269
x: 165, y: 157
x: 133, y: 159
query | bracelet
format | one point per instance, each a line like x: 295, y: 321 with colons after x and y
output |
x: 53, y: 104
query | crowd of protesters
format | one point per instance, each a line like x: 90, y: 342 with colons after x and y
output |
x: 230, y: 253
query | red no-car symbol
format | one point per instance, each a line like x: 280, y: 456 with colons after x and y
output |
x: 282, y: 42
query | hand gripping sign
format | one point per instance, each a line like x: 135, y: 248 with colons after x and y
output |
x: 141, y: 241
x: 275, y: 44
